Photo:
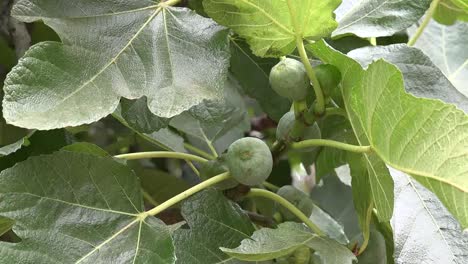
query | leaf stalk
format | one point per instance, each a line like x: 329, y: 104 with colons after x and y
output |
x: 425, y: 22
x: 184, y: 195
x: 293, y: 209
x: 161, y: 154
x: 331, y: 143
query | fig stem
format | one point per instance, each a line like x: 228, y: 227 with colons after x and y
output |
x: 271, y: 186
x: 331, y: 143
x: 161, y: 154
x: 427, y: 19
x: 184, y: 195
x: 293, y: 209
x: 320, y: 99
x: 199, y: 151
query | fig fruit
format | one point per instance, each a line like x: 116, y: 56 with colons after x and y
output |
x: 249, y: 161
x: 289, y: 79
x: 328, y: 76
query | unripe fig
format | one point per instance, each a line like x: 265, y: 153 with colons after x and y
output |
x: 298, y: 199
x: 249, y: 161
x: 301, y: 255
x: 215, y: 167
x: 286, y: 124
x: 328, y: 76
x: 289, y: 79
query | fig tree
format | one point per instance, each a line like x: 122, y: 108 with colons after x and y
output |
x: 249, y: 161
x: 289, y: 79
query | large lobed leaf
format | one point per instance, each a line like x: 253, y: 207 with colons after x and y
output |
x: 379, y: 181
x: 271, y: 27
x: 214, y: 222
x: 424, y: 231
x: 253, y: 74
x: 425, y: 138
x: 377, y: 18
x: 422, y: 77
x: 446, y: 46
x: 112, y: 49
x: 266, y: 244
x: 89, y: 210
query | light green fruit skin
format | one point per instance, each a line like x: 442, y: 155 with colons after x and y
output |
x: 249, y: 161
x: 289, y: 79
x: 215, y: 167
x: 298, y: 199
x: 285, y: 126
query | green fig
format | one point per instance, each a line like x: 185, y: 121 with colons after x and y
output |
x: 249, y: 161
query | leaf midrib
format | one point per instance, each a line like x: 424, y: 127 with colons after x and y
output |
x: 105, y: 242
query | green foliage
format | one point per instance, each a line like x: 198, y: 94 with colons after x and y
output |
x: 269, y: 26
x: 329, y: 77
x: 266, y: 244
x: 449, y: 11
x: 101, y: 201
x: 377, y: 18
x: 234, y: 131
x: 452, y: 61
x: 80, y: 91
x: 214, y: 221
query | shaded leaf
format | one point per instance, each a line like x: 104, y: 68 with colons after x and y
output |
x: 303, y: 202
x: 138, y: 116
x: 424, y: 230
x: 214, y: 221
x: 85, y: 147
x: 160, y: 185
x: 401, y: 137
x: 172, y: 56
x: 5, y: 225
x: 165, y: 138
x: 92, y: 206
x: 448, y: 11
x: 378, y: 18
x: 225, y: 120
x: 41, y: 142
x: 336, y: 198
x: 363, y: 200
x: 266, y: 244
x: 11, y: 137
x: 422, y: 78
x: 445, y: 45
x: 253, y: 74
x: 268, y: 25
